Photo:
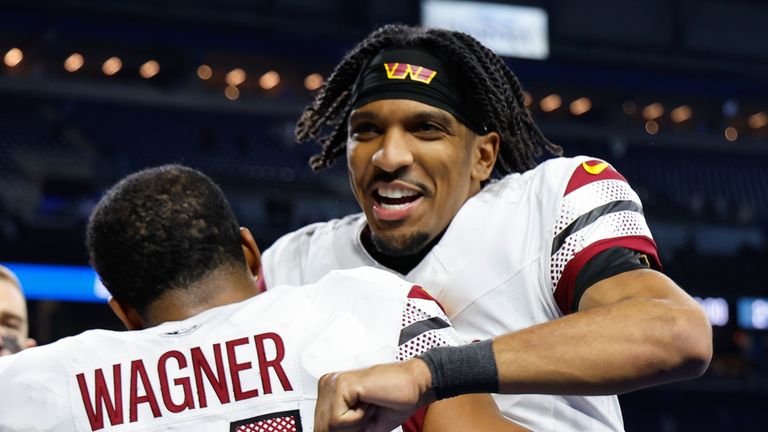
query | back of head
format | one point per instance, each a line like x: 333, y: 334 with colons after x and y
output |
x: 489, y: 87
x: 161, y: 229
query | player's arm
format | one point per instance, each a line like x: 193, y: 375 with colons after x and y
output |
x: 632, y: 330
x: 472, y: 412
x: 627, y: 326
x: 385, y: 396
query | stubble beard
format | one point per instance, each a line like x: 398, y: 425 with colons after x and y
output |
x: 408, y: 244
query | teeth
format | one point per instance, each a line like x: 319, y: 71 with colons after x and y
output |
x: 396, y: 192
x: 394, y: 206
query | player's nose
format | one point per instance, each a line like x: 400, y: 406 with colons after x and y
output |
x: 394, y: 153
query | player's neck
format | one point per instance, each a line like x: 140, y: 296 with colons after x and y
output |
x: 402, y: 264
x: 216, y: 289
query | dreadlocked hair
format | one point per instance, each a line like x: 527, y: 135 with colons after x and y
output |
x: 495, y: 92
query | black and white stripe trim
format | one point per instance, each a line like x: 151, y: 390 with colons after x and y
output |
x: 591, y: 196
x: 592, y: 216
x: 420, y: 327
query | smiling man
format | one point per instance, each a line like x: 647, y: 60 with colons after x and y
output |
x: 407, y: 210
x: 552, y: 265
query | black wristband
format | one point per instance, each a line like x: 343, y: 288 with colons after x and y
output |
x: 463, y: 369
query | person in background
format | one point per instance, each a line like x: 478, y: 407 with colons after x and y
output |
x: 14, y: 326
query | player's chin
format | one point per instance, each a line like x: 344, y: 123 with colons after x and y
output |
x: 399, y: 242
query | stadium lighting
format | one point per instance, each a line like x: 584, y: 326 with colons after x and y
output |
x: 235, y: 77
x: 681, y: 114
x: 204, y: 72
x: 652, y: 127
x: 527, y: 99
x: 112, y: 66
x: 758, y: 120
x: 232, y: 92
x: 629, y: 107
x: 13, y: 57
x: 551, y: 103
x: 269, y: 80
x: 149, y: 69
x: 581, y: 106
x: 74, y: 62
x: 653, y: 111
x: 313, y: 81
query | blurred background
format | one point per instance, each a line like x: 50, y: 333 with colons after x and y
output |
x: 673, y: 93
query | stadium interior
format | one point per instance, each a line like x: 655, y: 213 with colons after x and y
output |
x: 673, y: 93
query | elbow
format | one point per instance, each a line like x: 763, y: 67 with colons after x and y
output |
x: 693, y: 344
x: 696, y: 361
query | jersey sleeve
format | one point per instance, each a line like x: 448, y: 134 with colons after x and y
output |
x: 598, y: 211
x: 424, y: 325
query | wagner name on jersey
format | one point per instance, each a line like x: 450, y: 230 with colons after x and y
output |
x: 248, y: 366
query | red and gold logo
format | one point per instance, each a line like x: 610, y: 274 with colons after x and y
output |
x: 594, y: 169
x: 405, y: 70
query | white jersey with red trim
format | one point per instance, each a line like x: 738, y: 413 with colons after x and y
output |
x: 508, y: 261
x: 248, y: 366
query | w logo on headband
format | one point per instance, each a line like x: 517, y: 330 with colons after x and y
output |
x: 414, y: 72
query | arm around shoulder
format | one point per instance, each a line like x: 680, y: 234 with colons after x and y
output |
x: 384, y: 396
x: 677, y: 330
x: 633, y: 330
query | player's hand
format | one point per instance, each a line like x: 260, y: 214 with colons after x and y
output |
x: 376, y: 399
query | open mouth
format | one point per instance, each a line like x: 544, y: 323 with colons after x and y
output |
x: 394, y: 203
x: 394, y: 198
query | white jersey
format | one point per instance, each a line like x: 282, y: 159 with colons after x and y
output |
x: 248, y: 366
x: 508, y: 261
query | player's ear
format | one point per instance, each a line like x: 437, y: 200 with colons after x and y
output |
x: 128, y: 315
x: 250, y: 250
x: 485, y: 152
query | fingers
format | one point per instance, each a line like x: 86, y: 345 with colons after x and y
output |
x: 338, y: 408
x: 357, y: 425
x: 383, y: 396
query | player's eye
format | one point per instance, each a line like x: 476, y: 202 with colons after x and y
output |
x: 364, y: 131
x: 429, y: 130
x: 14, y: 327
x: 11, y: 323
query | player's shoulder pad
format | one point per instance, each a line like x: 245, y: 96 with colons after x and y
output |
x: 588, y: 170
x: 301, y: 238
x: 292, y: 250
x: 372, y: 279
x: 571, y: 173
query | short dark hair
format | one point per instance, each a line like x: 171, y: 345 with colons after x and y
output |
x: 495, y: 90
x: 161, y: 229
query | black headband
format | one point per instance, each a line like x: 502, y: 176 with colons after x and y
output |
x: 414, y: 74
